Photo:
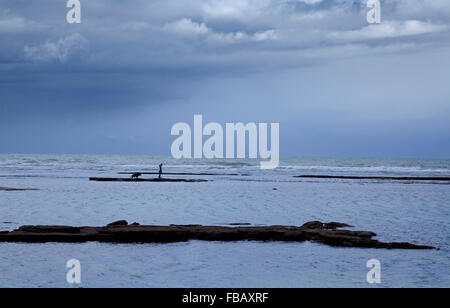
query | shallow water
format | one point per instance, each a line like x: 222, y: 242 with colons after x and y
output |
x: 416, y: 212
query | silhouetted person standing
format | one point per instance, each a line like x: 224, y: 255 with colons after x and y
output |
x: 160, y: 170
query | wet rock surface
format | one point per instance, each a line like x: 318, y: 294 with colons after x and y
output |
x: 16, y: 189
x: 118, y: 223
x: 122, y: 232
x: 156, y: 180
x: 381, y: 178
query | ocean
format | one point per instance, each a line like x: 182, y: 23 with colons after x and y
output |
x: 410, y: 211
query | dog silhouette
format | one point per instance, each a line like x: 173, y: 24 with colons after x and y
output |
x: 135, y: 176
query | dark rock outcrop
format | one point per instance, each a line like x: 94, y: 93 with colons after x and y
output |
x: 49, y: 229
x: 317, y: 225
x: 121, y: 232
x: 379, y: 178
x: 16, y: 189
x: 118, y: 223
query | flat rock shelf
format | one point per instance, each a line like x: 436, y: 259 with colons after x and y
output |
x: 121, y: 232
x: 16, y: 189
x: 185, y: 173
x: 381, y: 178
x: 162, y: 180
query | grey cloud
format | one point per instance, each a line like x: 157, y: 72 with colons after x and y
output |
x: 389, y: 30
x: 194, y: 34
x: 133, y: 68
x: 72, y: 46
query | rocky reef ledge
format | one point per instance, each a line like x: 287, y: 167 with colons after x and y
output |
x: 160, y: 180
x: 15, y: 189
x: 122, y: 232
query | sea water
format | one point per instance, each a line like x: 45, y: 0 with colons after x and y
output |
x: 411, y: 211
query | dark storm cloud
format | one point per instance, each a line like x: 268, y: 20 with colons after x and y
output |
x: 187, y: 34
x: 191, y: 54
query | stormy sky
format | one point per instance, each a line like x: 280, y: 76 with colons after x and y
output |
x: 117, y: 82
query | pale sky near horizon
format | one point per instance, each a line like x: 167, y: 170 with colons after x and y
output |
x: 117, y: 82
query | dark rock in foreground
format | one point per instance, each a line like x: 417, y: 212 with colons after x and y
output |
x: 121, y: 232
x: 118, y: 223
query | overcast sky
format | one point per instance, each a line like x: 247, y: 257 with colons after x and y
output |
x: 117, y: 82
